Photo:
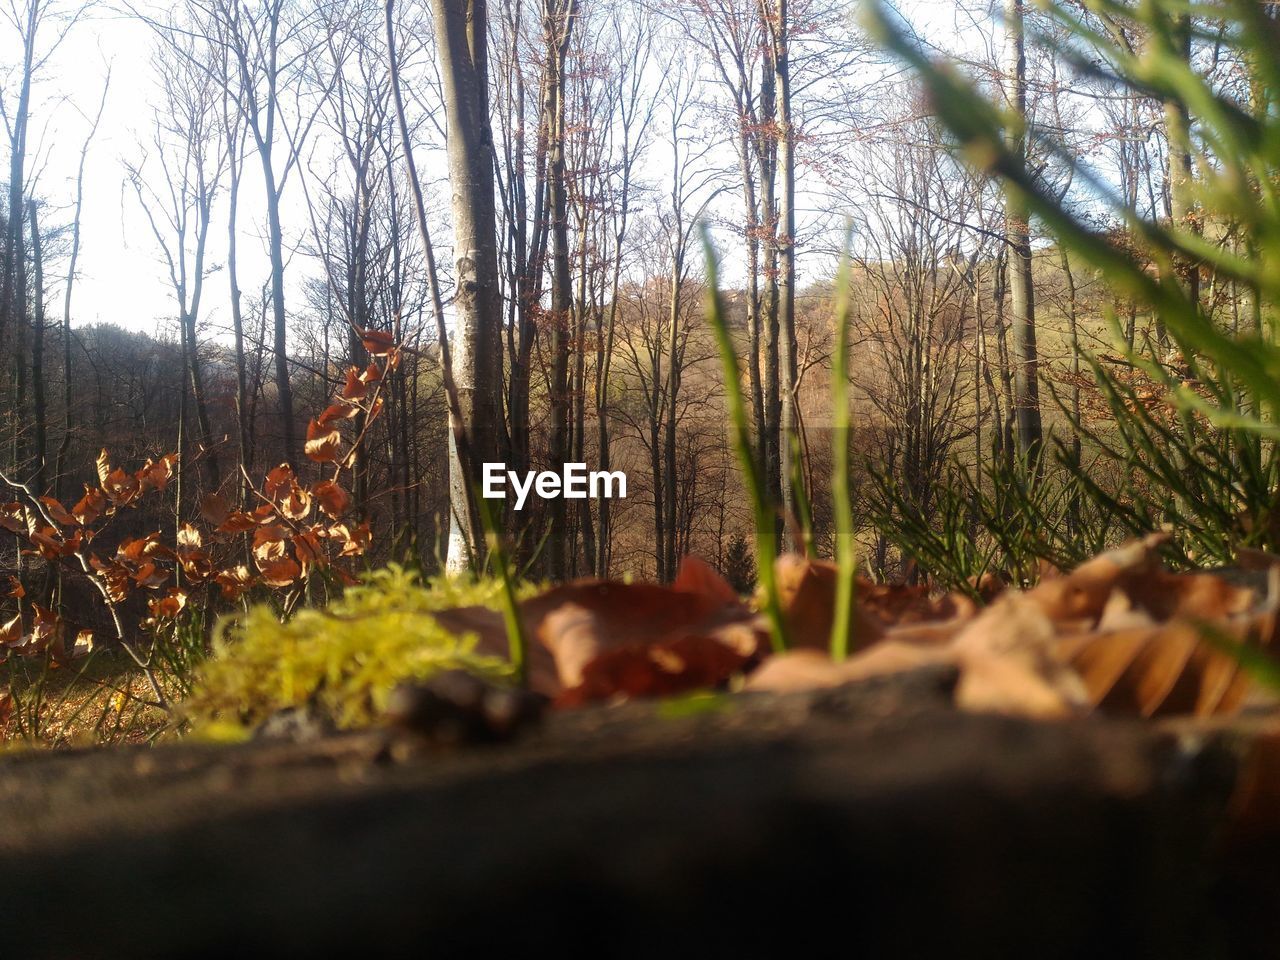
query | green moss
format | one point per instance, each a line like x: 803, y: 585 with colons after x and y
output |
x: 344, y: 659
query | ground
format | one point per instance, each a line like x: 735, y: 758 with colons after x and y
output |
x: 753, y: 823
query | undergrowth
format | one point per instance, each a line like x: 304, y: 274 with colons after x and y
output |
x: 343, y: 660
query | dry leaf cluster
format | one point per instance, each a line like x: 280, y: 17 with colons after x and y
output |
x: 1119, y: 634
x: 290, y: 529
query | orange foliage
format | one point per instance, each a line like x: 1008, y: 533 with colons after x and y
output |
x: 286, y: 538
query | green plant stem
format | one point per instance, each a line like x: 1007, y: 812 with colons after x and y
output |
x: 517, y: 642
x: 766, y: 548
x: 846, y: 548
x: 800, y: 497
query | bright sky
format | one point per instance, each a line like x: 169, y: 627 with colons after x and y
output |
x: 121, y: 276
x: 119, y: 279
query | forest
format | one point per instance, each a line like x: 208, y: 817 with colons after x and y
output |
x: 543, y: 200
x: 959, y: 297
x: 621, y: 474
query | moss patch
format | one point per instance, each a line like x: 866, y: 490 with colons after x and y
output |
x: 344, y: 659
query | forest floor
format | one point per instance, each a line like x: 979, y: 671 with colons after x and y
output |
x: 104, y: 699
x: 875, y: 812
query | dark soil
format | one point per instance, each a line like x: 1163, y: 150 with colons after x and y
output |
x: 869, y: 821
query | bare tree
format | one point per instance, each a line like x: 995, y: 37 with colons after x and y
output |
x: 1026, y: 369
x: 59, y: 466
x: 914, y: 268
x: 40, y: 27
x: 176, y: 187
x: 462, y: 47
x: 259, y: 56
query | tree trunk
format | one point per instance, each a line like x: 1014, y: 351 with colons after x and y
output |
x: 279, y: 324
x: 59, y: 479
x: 1181, y: 165
x: 243, y: 414
x: 189, y: 318
x: 670, y: 486
x: 39, y: 406
x: 753, y: 295
x: 558, y: 25
x: 585, y: 305
x: 461, y: 43
x: 1021, y: 286
x: 775, y: 478
x: 13, y: 294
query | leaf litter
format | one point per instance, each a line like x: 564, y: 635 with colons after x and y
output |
x: 1119, y: 635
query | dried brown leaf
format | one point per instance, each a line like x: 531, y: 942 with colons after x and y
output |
x: 1008, y: 663
x: 215, y: 509
x: 332, y: 499
x: 170, y: 605
x: 57, y: 512
x: 323, y: 443
x: 356, y: 388
x: 377, y: 342
x: 337, y: 411
x: 91, y: 506
x: 798, y: 670
x: 280, y: 572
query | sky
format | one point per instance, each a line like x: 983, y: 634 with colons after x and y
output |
x: 121, y: 278
x: 118, y: 279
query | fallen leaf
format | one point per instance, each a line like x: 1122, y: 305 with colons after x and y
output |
x: 807, y: 589
x: 1082, y: 594
x: 694, y: 575
x: 1250, y: 558
x: 1157, y: 671
x: 807, y: 593
x: 573, y: 624
x: 1008, y: 664
x: 579, y: 621
x: 798, y: 670
x: 655, y: 670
